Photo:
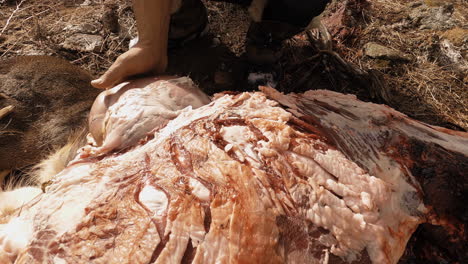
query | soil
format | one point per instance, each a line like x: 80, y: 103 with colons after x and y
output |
x: 432, y: 87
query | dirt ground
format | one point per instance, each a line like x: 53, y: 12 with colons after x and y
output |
x: 429, y: 84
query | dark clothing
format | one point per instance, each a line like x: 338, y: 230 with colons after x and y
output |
x: 295, y: 12
x: 281, y: 19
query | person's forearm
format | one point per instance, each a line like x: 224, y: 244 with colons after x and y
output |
x: 153, y: 17
x: 150, y: 53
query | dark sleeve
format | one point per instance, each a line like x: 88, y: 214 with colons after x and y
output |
x: 295, y: 12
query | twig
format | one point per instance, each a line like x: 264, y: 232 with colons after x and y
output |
x: 11, y: 16
x: 80, y: 59
x: 35, y: 15
x: 11, y: 47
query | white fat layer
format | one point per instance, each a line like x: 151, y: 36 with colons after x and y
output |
x: 239, y: 139
x: 140, y: 110
x: 14, y: 237
x: 155, y: 200
x: 360, y: 210
x: 66, y: 218
x: 186, y: 117
x: 217, y: 238
x: 237, y: 135
x: 199, y: 190
x: 357, y: 208
x: 16, y: 241
x: 187, y: 225
x: 58, y: 260
x: 367, y: 214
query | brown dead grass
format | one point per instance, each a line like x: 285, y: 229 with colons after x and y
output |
x: 38, y: 27
x: 425, y: 89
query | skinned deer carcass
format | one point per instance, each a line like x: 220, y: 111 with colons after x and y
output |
x: 128, y: 112
x: 119, y: 118
x: 323, y: 179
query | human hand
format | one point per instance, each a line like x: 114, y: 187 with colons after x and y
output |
x: 141, y: 58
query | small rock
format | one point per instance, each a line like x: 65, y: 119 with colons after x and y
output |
x: 378, y: 51
x: 437, y: 17
x: 88, y: 3
x: 83, y: 42
x: 85, y: 28
x: 109, y: 19
x: 452, y: 56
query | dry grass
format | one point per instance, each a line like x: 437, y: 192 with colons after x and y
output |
x: 39, y: 27
x: 425, y: 88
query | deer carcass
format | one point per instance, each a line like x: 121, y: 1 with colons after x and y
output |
x: 120, y: 117
x: 314, y: 178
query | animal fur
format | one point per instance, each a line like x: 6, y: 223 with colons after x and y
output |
x: 43, y: 100
x: 58, y: 160
x: 50, y: 97
x: 13, y: 196
x: 14, y: 199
